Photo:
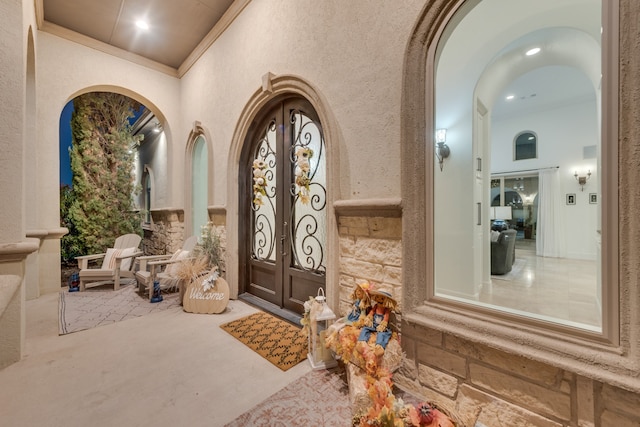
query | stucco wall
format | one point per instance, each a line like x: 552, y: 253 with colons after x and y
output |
x: 153, y: 158
x: 350, y: 52
x: 344, y: 67
x: 11, y: 121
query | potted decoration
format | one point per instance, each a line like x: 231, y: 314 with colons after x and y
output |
x: 206, y: 291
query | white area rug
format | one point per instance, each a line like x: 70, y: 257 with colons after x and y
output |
x: 102, y: 306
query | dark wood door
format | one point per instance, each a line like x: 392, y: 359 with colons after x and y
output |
x: 285, y: 209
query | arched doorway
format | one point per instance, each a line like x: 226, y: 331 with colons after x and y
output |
x: 282, y: 187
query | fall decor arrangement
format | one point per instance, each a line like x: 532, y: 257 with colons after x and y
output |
x: 367, y: 343
x: 259, y: 181
x: 302, y: 169
x: 205, y: 291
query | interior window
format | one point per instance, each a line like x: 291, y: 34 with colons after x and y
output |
x: 504, y: 238
x: 525, y: 146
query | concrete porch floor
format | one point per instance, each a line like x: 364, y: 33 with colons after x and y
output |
x: 164, y: 369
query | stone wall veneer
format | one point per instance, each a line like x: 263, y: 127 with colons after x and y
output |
x: 166, y: 232
x: 501, y: 389
x: 370, y: 249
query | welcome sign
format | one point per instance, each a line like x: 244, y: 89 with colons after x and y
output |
x: 206, y: 295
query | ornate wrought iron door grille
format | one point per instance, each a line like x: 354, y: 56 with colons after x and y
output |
x: 309, y: 194
x: 264, y: 195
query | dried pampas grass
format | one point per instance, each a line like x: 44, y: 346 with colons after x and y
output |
x: 192, y: 268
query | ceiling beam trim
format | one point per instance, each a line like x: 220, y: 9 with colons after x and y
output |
x: 229, y: 16
x: 92, y: 43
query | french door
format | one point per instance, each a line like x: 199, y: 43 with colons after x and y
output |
x: 285, y: 205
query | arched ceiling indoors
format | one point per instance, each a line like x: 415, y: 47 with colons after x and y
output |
x: 565, y: 29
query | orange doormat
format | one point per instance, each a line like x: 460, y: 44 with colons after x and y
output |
x: 277, y: 340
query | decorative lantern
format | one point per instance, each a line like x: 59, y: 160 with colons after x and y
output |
x: 74, y: 282
x: 157, y: 294
x: 320, y: 318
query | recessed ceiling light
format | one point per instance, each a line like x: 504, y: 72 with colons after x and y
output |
x: 142, y: 24
x: 510, y: 97
x: 533, y: 51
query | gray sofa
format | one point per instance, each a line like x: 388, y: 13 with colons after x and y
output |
x: 503, y: 252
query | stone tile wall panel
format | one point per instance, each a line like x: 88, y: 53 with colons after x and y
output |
x: 526, y: 394
x: 370, y: 249
x: 508, y: 390
x: 444, y: 360
x: 437, y: 380
x: 518, y: 365
x: 621, y: 402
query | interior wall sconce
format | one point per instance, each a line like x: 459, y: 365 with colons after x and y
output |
x: 442, y: 149
x: 582, y: 180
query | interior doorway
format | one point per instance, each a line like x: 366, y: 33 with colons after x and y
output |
x: 520, y: 194
x: 283, y: 206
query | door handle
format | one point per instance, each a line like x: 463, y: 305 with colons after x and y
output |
x: 283, y: 237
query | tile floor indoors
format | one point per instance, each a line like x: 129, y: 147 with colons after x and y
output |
x: 164, y: 369
x: 559, y: 288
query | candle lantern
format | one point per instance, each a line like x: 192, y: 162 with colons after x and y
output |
x: 320, y: 318
x: 157, y: 294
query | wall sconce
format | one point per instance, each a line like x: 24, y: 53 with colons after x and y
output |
x: 582, y: 180
x: 442, y: 149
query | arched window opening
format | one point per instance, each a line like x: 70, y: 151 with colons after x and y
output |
x: 488, y: 87
x: 199, y: 185
x: 525, y: 146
